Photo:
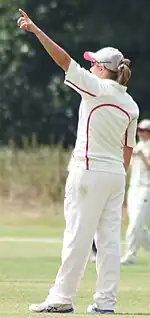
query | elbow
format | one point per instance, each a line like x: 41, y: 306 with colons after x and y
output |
x: 65, y: 62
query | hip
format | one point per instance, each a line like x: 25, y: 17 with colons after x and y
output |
x: 95, y: 180
x: 102, y: 165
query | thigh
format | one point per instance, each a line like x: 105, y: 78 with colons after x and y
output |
x: 131, y: 200
x: 86, y: 195
x: 82, y: 206
x: 108, y: 231
x: 138, y: 204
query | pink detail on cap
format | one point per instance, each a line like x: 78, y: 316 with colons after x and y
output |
x: 89, y: 56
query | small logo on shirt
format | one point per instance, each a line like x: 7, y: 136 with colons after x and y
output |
x: 83, y: 190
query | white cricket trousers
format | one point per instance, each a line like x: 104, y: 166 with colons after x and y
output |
x: 93, y: 204
x: 138, y: 209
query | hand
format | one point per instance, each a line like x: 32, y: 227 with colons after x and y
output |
x: 26, y: 23
x: 136, y: 152
x: 139, y: 154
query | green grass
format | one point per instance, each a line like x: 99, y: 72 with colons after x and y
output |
x: 51, y: 226
x: 28, y: 269
x: 18, y: 222
x: 31, y: 231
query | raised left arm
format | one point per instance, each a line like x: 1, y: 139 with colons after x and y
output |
x: 59, y: 55
x: 81, y: 80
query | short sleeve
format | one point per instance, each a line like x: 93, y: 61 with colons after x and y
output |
x: 131, y: 134
x: 82, y: 81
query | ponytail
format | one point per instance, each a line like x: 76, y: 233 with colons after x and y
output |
x: 124, y: 72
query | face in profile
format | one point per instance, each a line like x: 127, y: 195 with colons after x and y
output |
x: 97, y: 69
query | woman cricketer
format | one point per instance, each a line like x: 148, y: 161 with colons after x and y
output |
x: 95, y: 186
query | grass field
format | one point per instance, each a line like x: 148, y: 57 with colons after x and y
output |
x: 28, y: 268
x: 31, y: 228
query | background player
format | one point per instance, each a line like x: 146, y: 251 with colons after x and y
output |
x: 138, y: 198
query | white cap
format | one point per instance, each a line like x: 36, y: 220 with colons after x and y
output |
x: 110, y: 56
x: 144, y: 124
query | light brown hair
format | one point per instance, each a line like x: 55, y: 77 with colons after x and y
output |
x: 123, y: 74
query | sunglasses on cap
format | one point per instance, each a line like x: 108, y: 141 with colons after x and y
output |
x: 99, y: 62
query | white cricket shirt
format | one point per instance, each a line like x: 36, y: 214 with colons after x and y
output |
x: 140, y: 173
x: 107, y: 120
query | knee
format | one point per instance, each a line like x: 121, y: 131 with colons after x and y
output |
x: 110, y: 247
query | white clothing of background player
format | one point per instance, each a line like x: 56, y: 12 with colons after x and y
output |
x: 138, y: 199
x: 95, y: 185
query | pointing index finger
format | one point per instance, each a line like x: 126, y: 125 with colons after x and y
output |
x: 23, y: 13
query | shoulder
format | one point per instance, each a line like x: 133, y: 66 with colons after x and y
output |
x: 134, y: 108
x: 83, y: 81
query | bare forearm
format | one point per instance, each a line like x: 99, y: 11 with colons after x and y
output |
x: 127, y: 157
x: 126, y: 165
x: 59, y: 55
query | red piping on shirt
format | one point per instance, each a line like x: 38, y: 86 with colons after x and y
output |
x: 88, y: 123
x: 80, y: 89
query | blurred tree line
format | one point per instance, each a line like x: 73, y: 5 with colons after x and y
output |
x: 33, y: 98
